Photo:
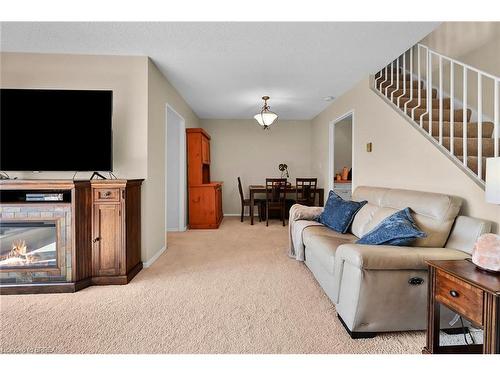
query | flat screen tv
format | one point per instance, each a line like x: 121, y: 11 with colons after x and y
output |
x: 56, y: 130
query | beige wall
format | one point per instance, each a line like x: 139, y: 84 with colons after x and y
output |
x: 241, y: 148
x: 401, y: 157
x: 140, y: 94
x: 160, y: 93
x: 125, y: 75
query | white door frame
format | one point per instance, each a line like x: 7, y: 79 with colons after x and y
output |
x: 331, y: 143
x: 182, y: 172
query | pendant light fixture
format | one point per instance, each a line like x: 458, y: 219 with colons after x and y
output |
x: 266, y: 118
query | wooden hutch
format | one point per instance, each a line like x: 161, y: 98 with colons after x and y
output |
x: 204, y: 196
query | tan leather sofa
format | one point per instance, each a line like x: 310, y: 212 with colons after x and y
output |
x: 384, y: 288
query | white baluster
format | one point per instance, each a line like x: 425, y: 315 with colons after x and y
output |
x: 404, y: 79
x: 440, y: 100
x: 392, y: 78
x: 464, y: 119
x: 479, y: 126
x: 418, y: 86
x: 381, y: 78
x: 384, y: 81
x: 429, y: 90
x: 397, y: 80
x: 496, y: 118
x: 452, y: 108
x: 411, y: 80
x: 387, y: 80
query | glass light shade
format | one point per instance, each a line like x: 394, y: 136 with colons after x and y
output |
x: 493, y: 180
x: 266, y: 118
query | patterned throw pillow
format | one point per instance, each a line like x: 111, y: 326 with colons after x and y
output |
x: 338, y: 213
x: 399, y: 229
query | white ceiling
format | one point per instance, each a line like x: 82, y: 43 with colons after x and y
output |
x: 222, y: 69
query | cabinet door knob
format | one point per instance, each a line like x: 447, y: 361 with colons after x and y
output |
x: 96, y: 239
x: 454, y: 293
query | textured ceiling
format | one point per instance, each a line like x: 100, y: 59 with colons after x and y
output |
x: 222, y: 69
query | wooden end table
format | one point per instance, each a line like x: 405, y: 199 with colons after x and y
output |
x: 470, y: 292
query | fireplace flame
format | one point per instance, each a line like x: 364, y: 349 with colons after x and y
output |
x: 19, y: 254
x: 18, y: 248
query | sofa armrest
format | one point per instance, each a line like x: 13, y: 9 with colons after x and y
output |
x: 301, y: 212
x: 465, y: 232
x: 379, y: 257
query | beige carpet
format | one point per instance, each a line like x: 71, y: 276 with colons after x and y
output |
x: 232, y: 290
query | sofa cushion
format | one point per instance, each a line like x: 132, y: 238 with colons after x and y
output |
x: 399, y: 229
x: 433, y: 213
x: 321, y: 230
x: 339, y: 213
x: 322, y: 242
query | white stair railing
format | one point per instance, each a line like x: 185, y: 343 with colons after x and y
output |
x: 409, y: 99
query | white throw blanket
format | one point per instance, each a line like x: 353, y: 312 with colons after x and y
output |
x: 301, y: 217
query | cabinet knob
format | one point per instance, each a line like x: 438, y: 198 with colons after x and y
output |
x: 454, y: 293
x: 107, y: 194
x: 96, y: 239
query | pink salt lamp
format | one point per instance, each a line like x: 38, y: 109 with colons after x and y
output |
x: 486, y: 253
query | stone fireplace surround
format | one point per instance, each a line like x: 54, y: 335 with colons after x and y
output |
x: 72, y: 218
x: 58, y: 213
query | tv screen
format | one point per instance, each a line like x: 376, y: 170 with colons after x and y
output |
x: 56, y: 130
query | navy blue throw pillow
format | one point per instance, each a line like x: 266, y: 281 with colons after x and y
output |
x: 399, y: 229
x: 338, y: 213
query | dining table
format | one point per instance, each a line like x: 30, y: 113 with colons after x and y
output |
x: 261, y: 189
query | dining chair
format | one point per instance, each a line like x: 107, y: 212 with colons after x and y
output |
x: 246, y: 202
x: 306, y: 191
x: 276, y: 197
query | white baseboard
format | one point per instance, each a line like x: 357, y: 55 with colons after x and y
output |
x: 151, y: 260
x: 255, y: 215
x: 177, y: 229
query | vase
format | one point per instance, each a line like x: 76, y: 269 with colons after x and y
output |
x: 345, y: 173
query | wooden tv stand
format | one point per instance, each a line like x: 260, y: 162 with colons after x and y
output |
x: 98, y: 233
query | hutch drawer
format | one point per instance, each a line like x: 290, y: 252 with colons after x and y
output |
x: 107, y: 195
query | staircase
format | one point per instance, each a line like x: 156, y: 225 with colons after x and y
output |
x: 433, y: 92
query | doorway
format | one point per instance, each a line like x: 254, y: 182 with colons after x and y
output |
x: 175, y: 164
x: 340, y: 155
